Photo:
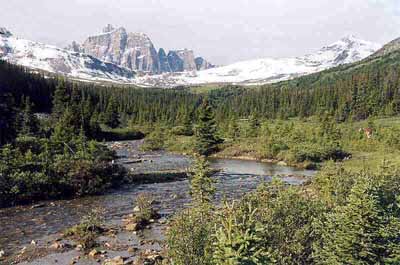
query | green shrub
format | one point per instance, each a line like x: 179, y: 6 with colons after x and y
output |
x: 189, y: 238
x: 238, y: 238
x: 144, y: 203
x: 86, y: 232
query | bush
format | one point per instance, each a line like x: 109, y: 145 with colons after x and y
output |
x: 43, y: 169
x: 318, y: 153
x: 190, y: 238
x: 238, y: 238
x: 87, y: 230
x: 144, y: 203
x: 154, y: 141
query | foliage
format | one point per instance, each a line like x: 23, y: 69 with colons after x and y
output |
x: 201, y: 183
x: 144, y: 202
x: 35, y: 169
x: 155, y: 140
x: 206, y: 138
x: 189, y: 237
x: 89, y: 228
x: 237, y: 239
x: 362, y: 227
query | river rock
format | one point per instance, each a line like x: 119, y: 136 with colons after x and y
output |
x: 93, y: 253
x: 132, y: 227
x: 282, y: 163
x: 118, y: 260
x: 57, y: 245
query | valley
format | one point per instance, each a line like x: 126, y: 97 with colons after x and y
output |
x: 117, y: 151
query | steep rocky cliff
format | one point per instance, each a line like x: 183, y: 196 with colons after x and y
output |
x: 202, y: 64
x: 131, y: 50
x: 137, y: 52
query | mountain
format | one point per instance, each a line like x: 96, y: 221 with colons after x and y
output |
x: 136, y: 61
x: 131, y: 50
x: 347, y: 50
x: 137, y: 52
x: 49, y: 58
x: 392, y: 46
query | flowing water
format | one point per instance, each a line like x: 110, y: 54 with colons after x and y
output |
x: 19, y: 225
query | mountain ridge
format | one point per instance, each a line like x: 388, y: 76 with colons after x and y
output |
x: 137, y: 52
x: 78, y: 65
x: 349, y: 49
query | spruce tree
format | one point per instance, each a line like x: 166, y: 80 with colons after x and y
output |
x: 187, y: 125
x: 60, y: 99
x: 112, y: 115
x: 354, y: 233
x: 28, y: 123
x: 63, y: 130
x: 201, y: 184
x: 7, y: 118
x: 206, y: 131
x: 254, y: 126
x: 233, y: 130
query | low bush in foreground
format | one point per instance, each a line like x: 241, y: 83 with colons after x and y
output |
x: 38, y: 168
x: 86, y: 232
x: 342, y: 217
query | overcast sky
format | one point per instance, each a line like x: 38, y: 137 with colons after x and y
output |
x: 223, y: 31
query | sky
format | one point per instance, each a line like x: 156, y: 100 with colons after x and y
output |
x: 222, y: 31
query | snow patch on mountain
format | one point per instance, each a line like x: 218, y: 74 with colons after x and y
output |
x: 78, y: 65
x: 49, y: 58
x: 260, y: 71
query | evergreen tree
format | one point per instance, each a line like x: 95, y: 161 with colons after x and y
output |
x: 253, y: 126
x: 112, y: 115
x: 201, y: 184
x: 187, y: 125
x: 357, y: 233
x: 63, y: 130
x: 60, y: 99
x: 206, y: 138
x: 28, y: 121
x: 7, y: 118
x: 233, y: 130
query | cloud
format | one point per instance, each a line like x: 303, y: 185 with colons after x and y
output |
x: 391, y: 6
x: 223, y: 31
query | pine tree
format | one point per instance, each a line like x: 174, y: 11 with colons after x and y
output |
x: 201, y: 183
x: 254, y: 126
x: 112, y: 115
x: 352, y: 234
x: 60, y: 99
x: 7, y: 118
x: 63, y: 130
x: 28, y: 122
x: 187, y: 125
x: 233, y: 130
x: 206, y: 138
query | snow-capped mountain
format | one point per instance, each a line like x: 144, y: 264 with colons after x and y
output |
x: 270, y: 70
x: 78, y: 65
x: 49, y: 58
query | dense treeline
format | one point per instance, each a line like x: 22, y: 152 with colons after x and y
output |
x: 354, y: 91
x: 16, y: 81
x: 49, y: 156
x: 350, y: 92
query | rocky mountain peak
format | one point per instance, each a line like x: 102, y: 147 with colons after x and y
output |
x: 5, y: 32
x: 182, y: 60
x: 108, y: 28
x: 350, y: 38
x: 137, y: 52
